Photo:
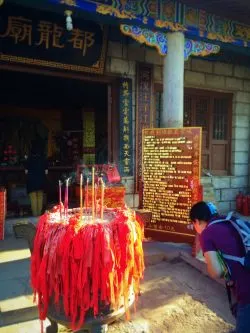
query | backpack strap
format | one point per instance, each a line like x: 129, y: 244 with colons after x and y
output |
x: 240, y: 226
x: 227, y: 218
x: 233, y: 306
x: 241, y: 260
x: 242, y: 232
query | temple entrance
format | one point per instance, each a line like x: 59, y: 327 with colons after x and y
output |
x: 57, y: 110
x: 71, y: 116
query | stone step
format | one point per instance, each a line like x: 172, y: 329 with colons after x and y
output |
x: 156, y: 252
x: 18, y: 316
x: 31, y: 326
x: 16, y: 301
x: 199, y: 265
x: 12, y: 221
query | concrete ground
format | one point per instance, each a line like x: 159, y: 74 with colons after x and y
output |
x: 177, y: 296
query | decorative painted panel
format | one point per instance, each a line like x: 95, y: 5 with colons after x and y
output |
x: 159, y: 40
x: 169, y: 16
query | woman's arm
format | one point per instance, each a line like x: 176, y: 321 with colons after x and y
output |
x: 215, y: 270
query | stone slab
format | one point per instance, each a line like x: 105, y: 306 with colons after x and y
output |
x: 197, y: 264
x: 194, y: 79
x: 156, y: 252
x: 204, y: 66
x: 223, y: 69
x: 215, y: 81
x: 221, y: 182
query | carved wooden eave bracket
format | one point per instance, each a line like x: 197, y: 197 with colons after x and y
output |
x: 159, y: 40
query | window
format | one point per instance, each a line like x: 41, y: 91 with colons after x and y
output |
x: 158, y: 108
x: 212, y: 111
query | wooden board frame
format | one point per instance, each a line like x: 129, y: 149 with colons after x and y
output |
x: 185, y: 185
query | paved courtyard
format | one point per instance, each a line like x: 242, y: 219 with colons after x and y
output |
x: 175, y: 298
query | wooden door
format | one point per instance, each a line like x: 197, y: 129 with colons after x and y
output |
x: 196, y: 113
x: 211, y: 111
x: 220, y: 136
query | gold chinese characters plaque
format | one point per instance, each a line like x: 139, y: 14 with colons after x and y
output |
x: 171, y: 179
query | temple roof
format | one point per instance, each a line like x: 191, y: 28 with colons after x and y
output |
x: 238, y: 10
x: 212, y: 21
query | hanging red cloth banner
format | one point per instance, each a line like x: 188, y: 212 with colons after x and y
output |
x: 78, y: 266
x: 2, y: 211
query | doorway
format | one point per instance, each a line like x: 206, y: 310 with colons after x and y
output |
x: 53, y: 108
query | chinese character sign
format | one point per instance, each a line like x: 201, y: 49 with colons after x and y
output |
x: 41, y: 39
x: 171, y: 176
x: 89, y: 136
x: 126, y: 122
x: 143, y: 113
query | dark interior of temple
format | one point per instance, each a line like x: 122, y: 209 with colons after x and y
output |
x: 31, y: 103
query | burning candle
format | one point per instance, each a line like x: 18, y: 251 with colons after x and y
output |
x: 66, y: 198
x: 60, y: 198
x: 93, y: 195
x: 102, y: 197
x: 81, y: 178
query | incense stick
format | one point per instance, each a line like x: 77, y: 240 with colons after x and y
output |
x: 66, y: 199
x: 102, y: 197
x: 93, y: 195
x: 81, y: 178
x: 60, y: 198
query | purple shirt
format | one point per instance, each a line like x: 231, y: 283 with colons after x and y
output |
x: 223, y: 237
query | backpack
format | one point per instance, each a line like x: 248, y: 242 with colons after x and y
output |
x: 243, y: 229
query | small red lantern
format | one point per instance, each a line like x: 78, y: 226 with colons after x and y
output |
x: 248, y: 204
x: 245, y: 206
x: 239, y: 202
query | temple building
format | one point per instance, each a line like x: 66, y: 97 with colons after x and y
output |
x: 88, y: 76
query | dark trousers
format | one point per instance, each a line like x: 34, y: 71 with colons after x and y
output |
x: 243, y: 319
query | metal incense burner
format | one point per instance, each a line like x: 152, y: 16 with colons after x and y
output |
x: 98, y: 324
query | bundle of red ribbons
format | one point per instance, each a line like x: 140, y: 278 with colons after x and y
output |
x: 86, y: 265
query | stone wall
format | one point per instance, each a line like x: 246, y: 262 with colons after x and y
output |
x: 199, y: 74
x: 228, y: 78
